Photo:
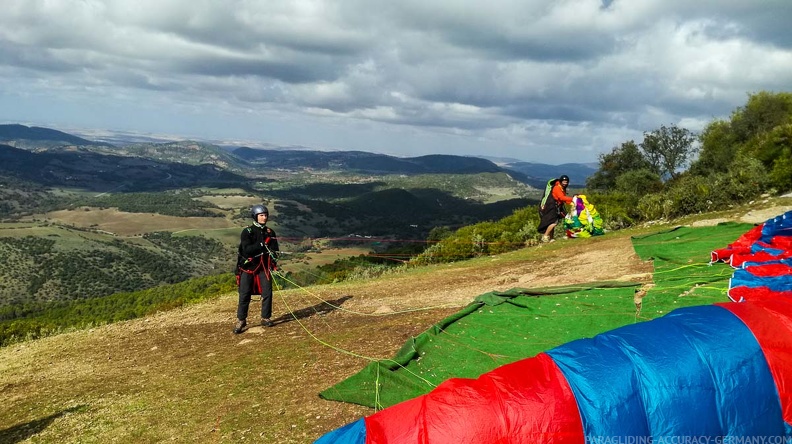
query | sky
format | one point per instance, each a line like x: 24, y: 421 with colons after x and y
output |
x: 547, y: 81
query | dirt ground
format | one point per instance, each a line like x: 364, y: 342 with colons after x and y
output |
x: 567, y: 261
x: 182, y: 376
x: 756, y: 216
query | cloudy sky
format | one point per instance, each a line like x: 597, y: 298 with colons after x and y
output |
x: 550, y: 81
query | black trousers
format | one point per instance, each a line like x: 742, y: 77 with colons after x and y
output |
x: 549, y: 216
x: 248, y: 287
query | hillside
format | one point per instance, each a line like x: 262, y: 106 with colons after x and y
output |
x: 247, y: 161
x: 23, y: 136
x: 181, y: 376
x: 136, y: 211
x: 537, y: 174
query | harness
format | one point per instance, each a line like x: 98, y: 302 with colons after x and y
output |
x: 263, y: 260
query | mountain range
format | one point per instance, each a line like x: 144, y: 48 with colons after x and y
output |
x: 240, y: 159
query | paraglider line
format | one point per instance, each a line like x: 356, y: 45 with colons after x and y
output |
x: 344, y: 351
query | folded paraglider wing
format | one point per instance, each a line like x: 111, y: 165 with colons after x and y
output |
x: 582, y: 219
x: 763, y: 258
x: 703, y: 373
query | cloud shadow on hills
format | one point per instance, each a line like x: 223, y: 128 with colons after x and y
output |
x: 21, y: 432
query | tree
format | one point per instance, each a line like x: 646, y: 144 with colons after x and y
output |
x: 620, y: 160
x: 437, y: 234
x: 757, y: 129
x: 639, y: 182
x: 763, y: 112
x: 774, y: 150
x: 718, y: 147
x: 668, y: 149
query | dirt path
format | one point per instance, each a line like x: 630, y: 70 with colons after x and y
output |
x: 563, y: 262
x: 756, y: 216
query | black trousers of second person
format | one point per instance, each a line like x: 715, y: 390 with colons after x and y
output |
x: 248, y: 287
x: 551, y: 214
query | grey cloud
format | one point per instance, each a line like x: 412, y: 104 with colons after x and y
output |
x: 247, y: 30
x: 568, y: 112
x: 286, y: 71
x: 35, y: 59
x: 488, y: 71
x: 765, y: 22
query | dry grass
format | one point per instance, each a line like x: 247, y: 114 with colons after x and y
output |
x: 232, y: 201
x: 326, y: 256
x: 134, y: 224
x: 182, y: 376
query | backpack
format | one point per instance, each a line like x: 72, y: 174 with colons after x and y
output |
x: 547, y: 193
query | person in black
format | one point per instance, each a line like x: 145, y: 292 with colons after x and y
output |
x: 258, y: 253
x: 551, y: 208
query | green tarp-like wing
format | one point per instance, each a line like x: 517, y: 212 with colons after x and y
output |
x: 682, y: 274
x: 503, y: 327
x: 497, y: 328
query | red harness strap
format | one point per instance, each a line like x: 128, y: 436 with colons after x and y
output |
x: 255, y: 271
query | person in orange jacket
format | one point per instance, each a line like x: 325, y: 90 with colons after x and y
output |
x: 551, y: 209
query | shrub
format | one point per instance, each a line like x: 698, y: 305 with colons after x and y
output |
x: 781, y: 174
x: 639, y: 182
x: 507, y: 234
x: 746, y: 179
x: 617, y: 209
x: 372, y: 271
x: 653, y: 206
x: 689, y: 195
x: 775, y: 151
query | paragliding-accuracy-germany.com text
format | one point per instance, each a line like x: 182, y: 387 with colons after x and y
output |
x: 689, y: 440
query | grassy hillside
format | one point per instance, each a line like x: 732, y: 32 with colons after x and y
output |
x: 83, y: 245
x: 46, y: 262
x: 182, y: 376
x: 80, y: 220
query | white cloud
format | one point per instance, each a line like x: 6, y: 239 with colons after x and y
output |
x: 543, y: 80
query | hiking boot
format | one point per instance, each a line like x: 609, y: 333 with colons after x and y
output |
x: 267, y: 322
x: 240, y: 325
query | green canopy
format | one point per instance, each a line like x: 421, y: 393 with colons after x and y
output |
x: 502, y: 327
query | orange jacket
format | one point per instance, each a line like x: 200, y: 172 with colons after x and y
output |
x: 559, y: 194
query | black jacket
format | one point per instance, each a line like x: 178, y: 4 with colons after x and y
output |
x: 258, y: 248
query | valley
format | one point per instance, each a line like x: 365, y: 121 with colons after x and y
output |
x: 81, y: 220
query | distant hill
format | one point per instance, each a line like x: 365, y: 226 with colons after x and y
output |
x: 187, y: 152
x: 79, y: 167
x: 370, y: 163
x: 538, y: 174
x: 18, y: 135
x: 246, y: 160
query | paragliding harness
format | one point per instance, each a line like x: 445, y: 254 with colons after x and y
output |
x: 548, y: 194
x: 265, y: 260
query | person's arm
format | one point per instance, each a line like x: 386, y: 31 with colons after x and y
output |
x: 247, y: 244
x: 559, y: 195
x: 272, y: 245
x: 271, y: 249
x: 275, y: 248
